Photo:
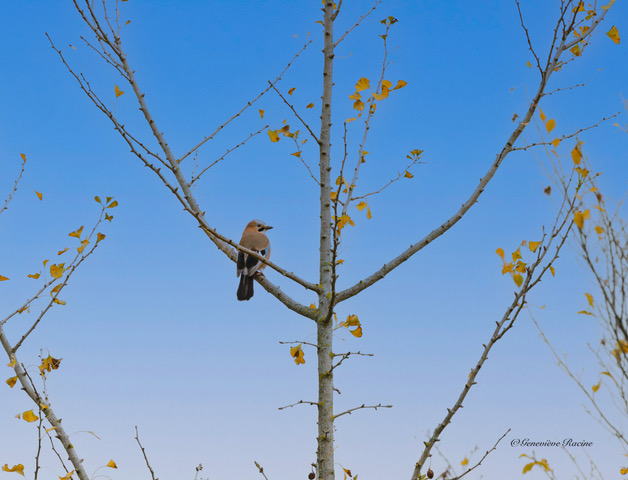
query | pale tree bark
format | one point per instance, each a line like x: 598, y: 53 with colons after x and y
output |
x: 334, y: 203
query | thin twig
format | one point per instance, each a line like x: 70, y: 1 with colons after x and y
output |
x: 482, y: 459
x: 261, y: 470
x: 300, y: 402
x: 17, y: 181
x: 137, y: 437
x: 379, y: 405
x: 296, y: 114
x: 356, y: 23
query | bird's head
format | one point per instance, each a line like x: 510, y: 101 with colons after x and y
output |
x: 258, y: 225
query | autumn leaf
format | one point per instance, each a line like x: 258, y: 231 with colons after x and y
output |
x: 273, y: 135
x: 362, y: 84
x: 400, y: 84
x: 547, y: 190
x: 542, y: 115
x: 118, y: 92
x: 613, y: 34
x: 297, y: 354
x: 113, y: 204
x: 84, y: 243
x: 500, y: 252
x: 358, y: 105
x: 595, y: 388
x: 465, y: 462
x: 309, y: 105
x: 528, y: 64
x: 29, y: 416
x: 57, y: 270
x: 516, y: 255
x: 518, y: 279
x: 291, y: 90
x: 68, y: 476
x: 23, y: 157
x: 60, y: 252
x: 550, y: 125
x: 261, y: 114
x: 533, y: 246
x: 556, y: 142
x: 357, y: 332
x: 58, y: 302
x: 579, y: 217
x: 599, y: 230
x: 11, y: 381
x: 576, y: 153
x: 76, y: 233
x: 589, y: 299
x: 19, y: 468
x: 408, y: 175
x: 576, y: 50
x: 111, y: 464
x: 39, y: 195
x: 610, y: 4
x: 362, y: 205
x: 49, y: 363
x: 551, y: 269
x: 3, y: 278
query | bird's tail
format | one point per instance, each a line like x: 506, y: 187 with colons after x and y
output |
x: 245, y: 289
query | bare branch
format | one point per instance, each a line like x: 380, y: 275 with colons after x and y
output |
x: 344, y: 356
x: 538, y: 62
x: 137, y: 437
x: 482, y: 459
x: 261, y: 470
x: 379, y: 405
x: 194, y: 179
x: 212, y: 135
x: 565, y: 137
x: 15, y: 185
x: 296, y: 114
x: 300, y: 402
x: 342, y: 37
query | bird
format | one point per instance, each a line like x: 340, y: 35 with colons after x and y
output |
x: 253, y: 238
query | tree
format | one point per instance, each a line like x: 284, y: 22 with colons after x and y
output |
x: 336, y: 193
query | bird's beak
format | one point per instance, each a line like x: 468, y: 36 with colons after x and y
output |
x: 267, y: 227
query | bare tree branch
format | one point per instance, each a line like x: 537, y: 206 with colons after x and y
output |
x: 379, y: 405
x: 150, y: 469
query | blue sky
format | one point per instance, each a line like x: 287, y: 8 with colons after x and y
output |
x: 152, y: 334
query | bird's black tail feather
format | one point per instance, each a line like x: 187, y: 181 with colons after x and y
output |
x: 245, y: 289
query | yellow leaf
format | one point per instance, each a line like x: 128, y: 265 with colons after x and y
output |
x: 23, y: 157
x: 340, y: 180
x: 357, y: 332
x: 273, y: 135
x: 84, y: 243
x: 533, y: 246
x: 57, y: 270
x: 309, y: 105
x: 63, y: 251
x: 291, y: 90
x: 261, y: 113
x: 464, y: 462
x: 595, y: 388
x: 500, y: 252
x: 334, y: 195
x: 599, y: 230
x: 408, y: 175
x: 400, y: 84
x: 318, y: 21
x: 352, y: 321
x: 610, y: 4
x: 516, y: 255
x: 584, y: 312
x: 58, y: 302
x: 19, y: 468
x: 518, y: 279
x: 550, y: 125
x: 589, y: 298
x: 13, y: 362
x: 362, y: 84
x: 2, y: 278
x: 75, y: 234
x: 355, y: 96
x: 297, y: 354
x: 613, y: 34
x: 576, y: 50
x: 576, y: 153
x: 358, y: 105
x: 29, y: 416
x: 113, y: 204
x: 521, y: 267
x: 34, y: 275
x: 362, y: 205
x: 100, y: 236
x: 118, y: 92
x: 111, y: 464
x: 11, y: 381
x: 296, y: 154
x: 551, y: 269
x: 68, y: 476
x: 507, y: 268
x: 579, y: 217
x: 623, y: 471
x: 39, y: 195
x: 542, y: 115
x: 312, y: 306
x: 555, y: 142
x: 529, y: 65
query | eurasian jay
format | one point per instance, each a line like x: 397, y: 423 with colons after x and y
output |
x: 254, y: 239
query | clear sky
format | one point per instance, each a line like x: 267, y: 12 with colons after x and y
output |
x: 152, y: 334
